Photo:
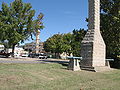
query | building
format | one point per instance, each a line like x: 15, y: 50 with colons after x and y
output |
x: 18, y: 51
x: 31, y: 47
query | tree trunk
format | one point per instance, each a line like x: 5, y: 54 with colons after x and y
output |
x: 55, y: 55
x: 13, y: 48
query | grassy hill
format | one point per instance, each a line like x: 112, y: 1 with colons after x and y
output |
x: 55, y: 77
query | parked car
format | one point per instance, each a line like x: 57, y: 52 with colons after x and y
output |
x: 24, y: 55
x: 42, y: 56
x: 4, y: 54
x: 16, y: 55
x: 38, y: 55
x: 33, y: 55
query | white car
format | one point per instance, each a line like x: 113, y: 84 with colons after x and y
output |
x: 16, y: 55
x: 42, y: 56
x: 24, y: 55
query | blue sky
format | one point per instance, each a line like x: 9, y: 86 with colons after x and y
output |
x: 59, y: 15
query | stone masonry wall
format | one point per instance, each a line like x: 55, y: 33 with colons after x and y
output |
x: 93, y: 46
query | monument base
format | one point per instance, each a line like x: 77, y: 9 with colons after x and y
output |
x: 74, y: 64
x: 97, y: 69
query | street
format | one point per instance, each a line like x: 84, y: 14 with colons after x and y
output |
x: 32, y: 60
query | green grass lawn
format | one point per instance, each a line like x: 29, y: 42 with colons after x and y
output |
x: 55, y: 77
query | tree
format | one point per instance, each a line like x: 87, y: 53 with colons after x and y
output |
x: 38, y: 24
x: 110, y: 26
x: 67, y: 41
x: 54, y: 44
x: 78, y: 36
x: 16, y: 22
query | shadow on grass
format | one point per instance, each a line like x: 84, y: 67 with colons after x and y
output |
x: 63, y: 63
x: 115, y: 64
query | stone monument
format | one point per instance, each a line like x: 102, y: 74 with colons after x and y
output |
x: 74, y: 63
x: 37, y: 41
x: 93, y: 49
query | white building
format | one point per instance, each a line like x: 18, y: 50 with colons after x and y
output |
x: 19, y: 51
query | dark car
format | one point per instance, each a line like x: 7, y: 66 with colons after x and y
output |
x: 33, y: 55
x: 4, y: 54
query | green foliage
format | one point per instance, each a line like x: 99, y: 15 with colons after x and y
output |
x: 110, y: 26
x: 78, y: 36
x: 54, y: 44
x: 69, y: 43
x: 16, y: 22
x: 38, y: 24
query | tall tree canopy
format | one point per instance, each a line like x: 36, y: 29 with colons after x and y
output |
x: 54, y: 44
x: 16, y: 22
x: 110, y: 26
x: 78, y: 36
x: 38, y: 24
x: 69, y: 43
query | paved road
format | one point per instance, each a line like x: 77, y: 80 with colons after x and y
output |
x: 9, y: 60
x: 18, y: 61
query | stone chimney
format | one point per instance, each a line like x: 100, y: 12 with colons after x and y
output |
x: 93, y: 49
x: 37, y: 41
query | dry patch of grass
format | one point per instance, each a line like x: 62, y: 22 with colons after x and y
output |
x: 55, y: 77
